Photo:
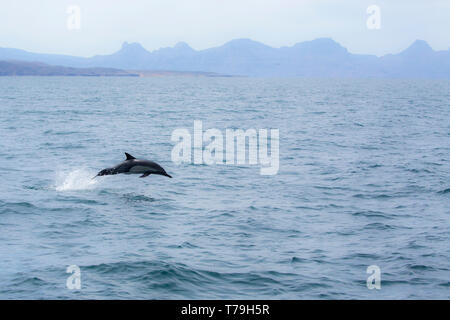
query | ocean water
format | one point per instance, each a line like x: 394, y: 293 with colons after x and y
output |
x: 363, y: 180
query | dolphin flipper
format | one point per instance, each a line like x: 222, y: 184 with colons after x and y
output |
x: 146, y: 174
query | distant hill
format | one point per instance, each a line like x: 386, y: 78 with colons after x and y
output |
x: 244, y: 57
x: 21, y: 68
x: 24, y: 68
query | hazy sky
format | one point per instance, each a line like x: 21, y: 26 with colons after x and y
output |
x: 41, y: 25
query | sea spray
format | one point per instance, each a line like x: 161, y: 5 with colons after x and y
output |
x: 78, y: 179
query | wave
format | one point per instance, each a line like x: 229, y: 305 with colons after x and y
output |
x: 445, y: 191
x: 16, y: 207
x: 177, y: 280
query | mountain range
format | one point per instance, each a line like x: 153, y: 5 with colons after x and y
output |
x: 322, y: 57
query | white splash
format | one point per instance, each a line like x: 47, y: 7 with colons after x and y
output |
x: 78, y: 179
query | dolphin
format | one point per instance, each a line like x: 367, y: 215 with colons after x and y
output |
x: 133, y: 165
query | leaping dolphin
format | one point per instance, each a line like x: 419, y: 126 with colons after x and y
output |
x: 133, y: 165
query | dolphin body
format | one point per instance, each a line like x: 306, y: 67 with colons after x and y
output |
x: 133, y: 165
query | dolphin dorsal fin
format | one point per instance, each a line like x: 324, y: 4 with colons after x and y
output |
x: 129, y: 156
